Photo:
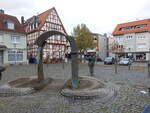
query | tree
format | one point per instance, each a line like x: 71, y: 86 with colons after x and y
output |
x: 83, y: 37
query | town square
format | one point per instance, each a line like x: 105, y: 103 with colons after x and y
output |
x: 74, y: 56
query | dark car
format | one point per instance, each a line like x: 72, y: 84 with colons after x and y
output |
x: 109, y: 60
x: 98, y: 59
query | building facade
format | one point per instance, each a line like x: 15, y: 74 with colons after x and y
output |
x: 56, y: 46
x: 101, y: 45
x: 12, y: 40
x: 135, y: 39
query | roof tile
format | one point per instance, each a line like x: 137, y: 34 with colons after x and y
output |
x: 118, y: 30
x: 18, y: 27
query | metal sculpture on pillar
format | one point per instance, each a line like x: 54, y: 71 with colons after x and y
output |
x: 74, y: 65
x: 91, y: 57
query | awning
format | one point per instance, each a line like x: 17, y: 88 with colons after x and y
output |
x: 3, y: 47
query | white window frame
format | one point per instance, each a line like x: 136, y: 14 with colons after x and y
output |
x: 15, y: 55
x: 15, y: 39
x: 10, y: 25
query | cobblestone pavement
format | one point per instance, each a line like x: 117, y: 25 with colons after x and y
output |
x: 128, y: 99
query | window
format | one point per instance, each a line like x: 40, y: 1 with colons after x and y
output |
x: 141, y: 36
x: 19, y: 55
x: 132, y: 27
x: 10, y: 25
x: 53, y: 26
x: 129, y: 37
x: 141, y: 26
x: 1, y: 38
x: 15, y: 39
x: 15, y: 55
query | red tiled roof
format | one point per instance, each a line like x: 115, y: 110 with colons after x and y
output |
x: 42, y: 18
x: 18, y: 27
x: 146, y: 22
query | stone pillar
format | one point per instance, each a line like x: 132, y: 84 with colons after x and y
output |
x: 40, y: 64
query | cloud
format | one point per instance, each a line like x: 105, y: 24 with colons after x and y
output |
x: 144, y: 11
x: 16, y: 7
x: 15, y: 4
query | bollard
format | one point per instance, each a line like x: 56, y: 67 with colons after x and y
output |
x: 148, y: 69
x: 116, y: 65
x: 129, y: 65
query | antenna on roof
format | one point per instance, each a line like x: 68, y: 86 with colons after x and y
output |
x: 1, y: 11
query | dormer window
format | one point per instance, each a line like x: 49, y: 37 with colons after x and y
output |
x: 132, y: 27
x: 10, y: 25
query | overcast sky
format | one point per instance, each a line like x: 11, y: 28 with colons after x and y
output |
x: 100, y: 16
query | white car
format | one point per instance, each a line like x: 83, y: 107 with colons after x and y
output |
x: 125, y: 61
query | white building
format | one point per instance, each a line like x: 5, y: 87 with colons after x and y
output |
x: 135, y: 38
x: 12, y: 40
x: 101, y: 42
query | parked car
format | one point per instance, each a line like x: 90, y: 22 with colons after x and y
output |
x: 98, y: 59
x: 125, y: 61
x: 109, y: 60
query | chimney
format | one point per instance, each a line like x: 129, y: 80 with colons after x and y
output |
x: 22, y: 20
x: 34, y: 19
x: 105, y: 35
x: 1, y: 11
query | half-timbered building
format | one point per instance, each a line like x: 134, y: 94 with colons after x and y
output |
x: 56, y: 46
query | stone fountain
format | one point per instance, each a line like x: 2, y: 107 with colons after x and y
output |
x: 76, y: 86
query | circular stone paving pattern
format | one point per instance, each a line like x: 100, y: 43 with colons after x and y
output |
x: 22, y: 86
x: 90, y: 87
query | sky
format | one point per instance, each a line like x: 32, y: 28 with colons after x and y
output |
x: 100, y: 16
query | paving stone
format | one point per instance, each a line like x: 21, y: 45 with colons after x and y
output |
x: 128, y: 99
